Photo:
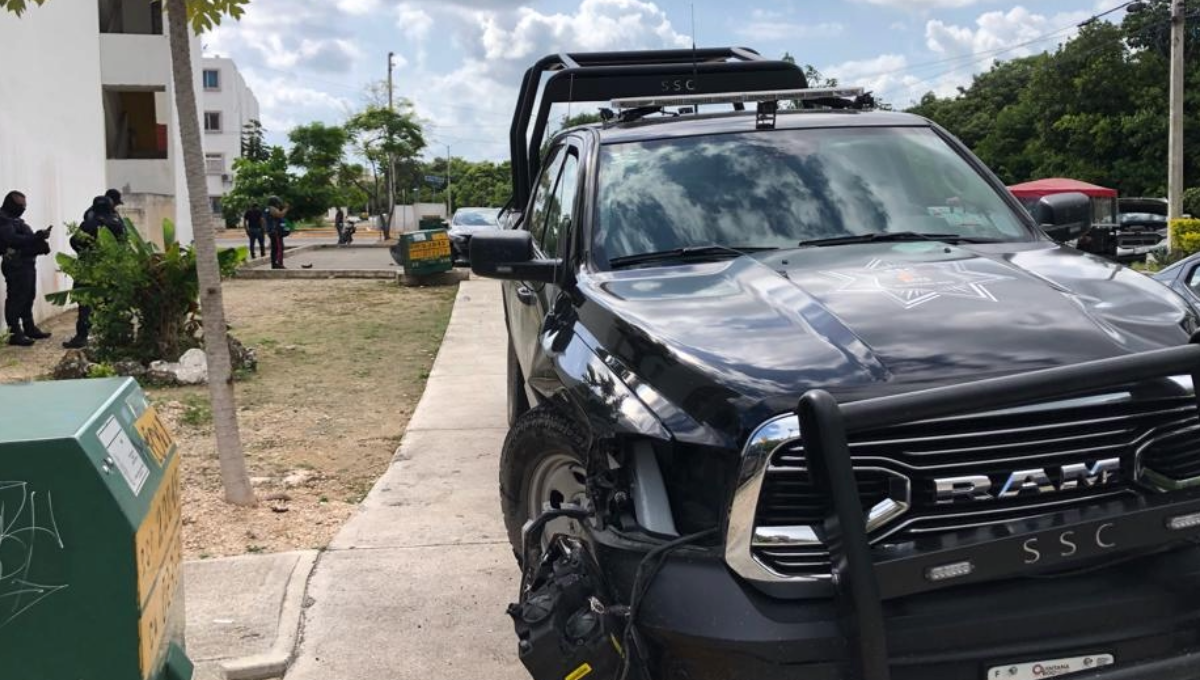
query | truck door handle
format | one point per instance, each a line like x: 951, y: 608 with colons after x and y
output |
x: 526, y: 295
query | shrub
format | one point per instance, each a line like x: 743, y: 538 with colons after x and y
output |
x: 145, y: 302
x: 1185, y: 236
x: 1191, y: 202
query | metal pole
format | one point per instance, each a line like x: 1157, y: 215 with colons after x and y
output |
x: 391, y: 208
x: 449, y: 203
x: 1175, y: 154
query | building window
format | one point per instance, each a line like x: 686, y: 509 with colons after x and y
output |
x: 212, y: 79
x: 214, y: 202
x: 135, y: 124
x: 214, y: 163
x: 212, y: 121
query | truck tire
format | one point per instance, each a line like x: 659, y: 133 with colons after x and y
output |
x: 518, y: 402
x: 543, y: 461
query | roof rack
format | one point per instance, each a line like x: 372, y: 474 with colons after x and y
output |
x: 605, y: 76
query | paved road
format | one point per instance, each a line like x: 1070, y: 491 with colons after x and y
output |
x: 415, y: 585
x: 343, y: 258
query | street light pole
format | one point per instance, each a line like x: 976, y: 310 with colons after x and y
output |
x: 1175, y: 153
x: 449, y: 202
x: 391, y: 162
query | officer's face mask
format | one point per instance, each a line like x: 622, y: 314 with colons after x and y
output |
x: 16, y: 210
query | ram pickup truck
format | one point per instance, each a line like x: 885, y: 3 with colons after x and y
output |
x: 799, y: 391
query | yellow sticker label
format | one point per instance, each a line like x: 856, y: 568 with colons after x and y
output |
x: 155, y: 434
x: 159, y: 530
x: 158, y: 551
x: 154, y: 624
x: 435, y: 249
x: 580, y: 672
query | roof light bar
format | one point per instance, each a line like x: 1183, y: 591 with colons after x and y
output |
x: 739, y: 97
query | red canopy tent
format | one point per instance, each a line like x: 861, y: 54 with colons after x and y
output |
x: 1104, y: 200
x: 1060, y: 185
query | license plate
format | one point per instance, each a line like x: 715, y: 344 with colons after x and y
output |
x: 1053, y: 668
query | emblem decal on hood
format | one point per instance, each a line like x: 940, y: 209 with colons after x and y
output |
x: 911, y: 284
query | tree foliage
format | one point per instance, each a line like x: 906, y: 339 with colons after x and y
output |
x: 254, y: 146
x: 145, y: 302
x: 1093, y: 110
x: 204, y: 15
x: 391, y: 141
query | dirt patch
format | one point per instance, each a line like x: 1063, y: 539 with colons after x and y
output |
x: 341, y: 367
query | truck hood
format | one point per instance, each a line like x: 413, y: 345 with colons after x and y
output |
x: 722, y: 346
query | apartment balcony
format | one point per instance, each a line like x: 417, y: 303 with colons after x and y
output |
x: 134, y: 61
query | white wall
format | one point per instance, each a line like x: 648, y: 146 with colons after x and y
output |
x: 135, y: 60
x: 52, y: 122
x: 238, y: 106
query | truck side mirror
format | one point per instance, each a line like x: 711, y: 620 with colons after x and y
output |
x: 509, y: 255
x: 1064, y: 217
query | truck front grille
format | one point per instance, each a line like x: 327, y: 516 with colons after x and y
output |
x: 1156, y: 440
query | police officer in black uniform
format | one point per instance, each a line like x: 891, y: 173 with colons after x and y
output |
x: 20, y: 246
x: 114, y: 198
x: 102, y: 215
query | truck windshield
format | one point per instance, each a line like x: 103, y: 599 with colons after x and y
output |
x: 776, y: 189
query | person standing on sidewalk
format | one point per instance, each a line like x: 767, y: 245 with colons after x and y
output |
x: 20, y: 246
x: 276, y: 229
x: 253, y: 220
x: 103, y: 215
x: 339, y: 223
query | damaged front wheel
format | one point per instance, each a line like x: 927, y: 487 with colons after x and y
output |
x: 542, y: 465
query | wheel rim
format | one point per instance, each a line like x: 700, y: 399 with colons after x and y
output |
x: 558, y: 480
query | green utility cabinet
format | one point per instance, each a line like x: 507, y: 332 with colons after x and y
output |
x: 425, y: 252
x: 90, y: 535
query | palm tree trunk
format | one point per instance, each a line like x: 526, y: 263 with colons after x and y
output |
x: 212, y: 306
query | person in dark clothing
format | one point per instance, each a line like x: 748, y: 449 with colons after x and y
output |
x: 253, y: 220
x: 20, y: 246
x: 339, y: 223
x: 103, y: 215
x: 112, y: 195
x: 276, y: 229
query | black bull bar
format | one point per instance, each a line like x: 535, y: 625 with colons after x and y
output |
x: 825, y: 426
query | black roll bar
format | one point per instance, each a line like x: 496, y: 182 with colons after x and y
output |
x: 600, y: 76
x: 825, y: 427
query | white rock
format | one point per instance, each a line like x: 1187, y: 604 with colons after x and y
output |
x: 298, y: 478
x: 193, y: 368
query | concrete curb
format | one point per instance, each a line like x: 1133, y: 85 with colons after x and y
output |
x: 274, y: 664
x: 257, y: 274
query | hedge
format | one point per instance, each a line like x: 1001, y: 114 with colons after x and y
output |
x: 1185, y: 235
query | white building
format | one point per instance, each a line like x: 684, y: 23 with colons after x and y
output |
x: 227, y: 107
x: 88, y: 106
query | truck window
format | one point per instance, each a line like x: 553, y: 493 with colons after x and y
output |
x: 558, y: 214
x: 535, y: 221
x: 775, y: 189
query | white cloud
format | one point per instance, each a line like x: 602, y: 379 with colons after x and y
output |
x: 413, y: 21
x: 768, y: 25
x: 958, y: 53
x: 358, y: 7
x: 880, y: 75
x: 995, y: 32
x: 921, y: 5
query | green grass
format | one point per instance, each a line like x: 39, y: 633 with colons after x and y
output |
x: 197, y: 411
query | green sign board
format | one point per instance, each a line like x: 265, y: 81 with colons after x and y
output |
x: 425, y: 252
x: 91, y: 537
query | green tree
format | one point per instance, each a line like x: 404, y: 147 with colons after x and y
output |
x: 202, y: 15
x: 391, y: 141
x: 1094, y: 110
x: 317, y: 150
x: 255, y: 181
x: 253, y: 145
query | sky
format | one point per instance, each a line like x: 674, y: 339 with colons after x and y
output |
x: 460, y: 61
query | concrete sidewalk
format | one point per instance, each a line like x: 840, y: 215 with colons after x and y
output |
x: 243, y: 613
x: 416, y: 584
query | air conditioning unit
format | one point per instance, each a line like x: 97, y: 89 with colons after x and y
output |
x: 225, y: 178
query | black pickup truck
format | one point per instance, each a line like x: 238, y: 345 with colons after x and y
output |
x: 798, y: 390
